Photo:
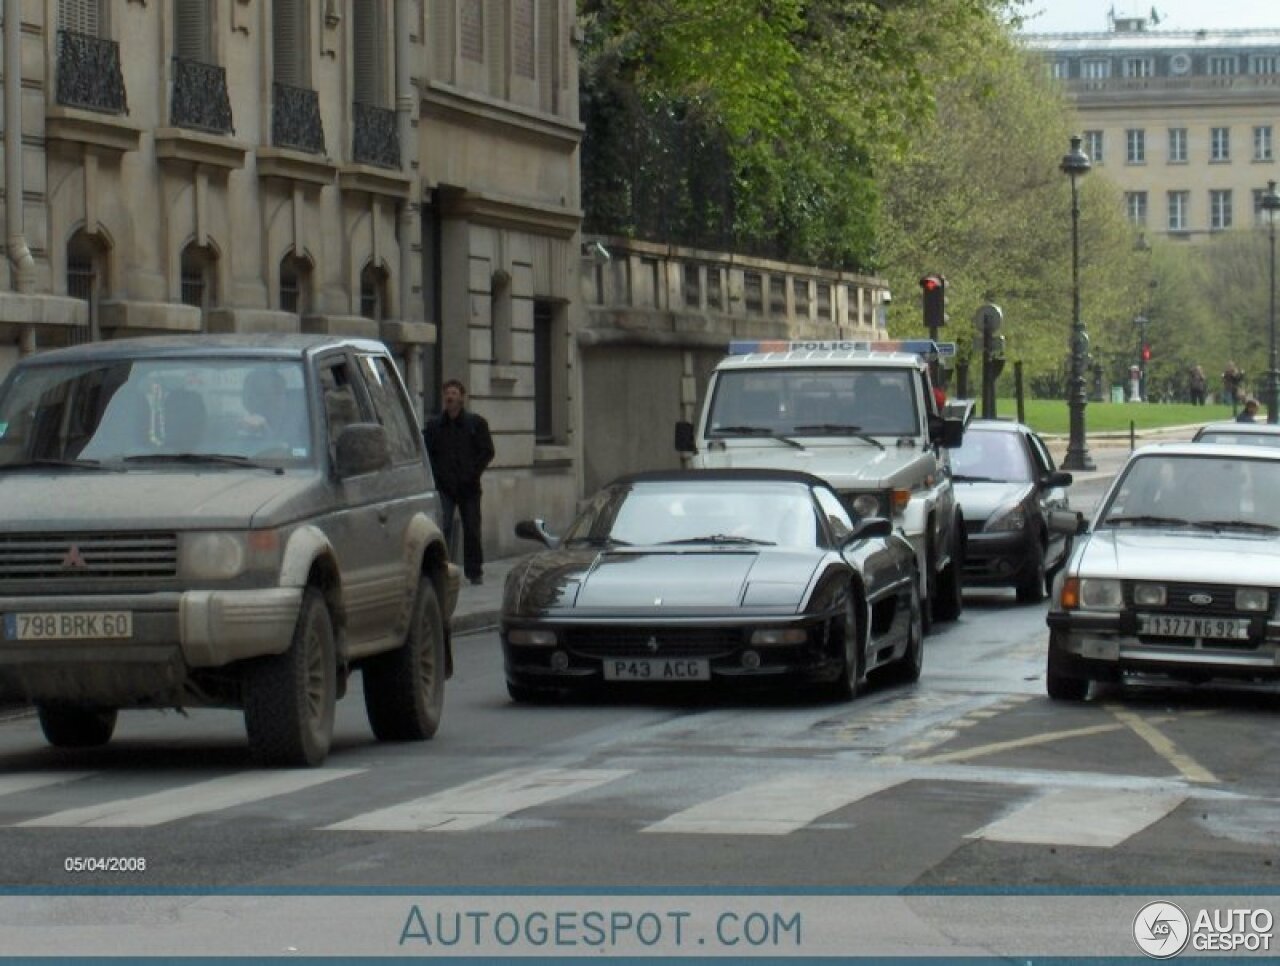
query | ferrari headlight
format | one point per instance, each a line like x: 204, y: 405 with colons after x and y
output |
x: 793, y: 635
x: 1007, y: 519
x: 1149, y: 595
x: 1251, y: 598
x: 532, y: 636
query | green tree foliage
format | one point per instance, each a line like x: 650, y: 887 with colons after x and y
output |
x: 979, y: 196
x: 758, y: 125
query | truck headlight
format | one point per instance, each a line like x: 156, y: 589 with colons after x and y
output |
x: 1150, y: 595
x: 222, y: 555
x: 1251, y: 598
x: 869, y: 504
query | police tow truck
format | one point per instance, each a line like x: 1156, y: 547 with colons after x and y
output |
x: 860, y: 414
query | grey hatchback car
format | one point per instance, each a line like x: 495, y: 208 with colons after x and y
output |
x: 221, y: 521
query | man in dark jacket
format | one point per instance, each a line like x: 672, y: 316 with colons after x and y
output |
x: 460, y: 448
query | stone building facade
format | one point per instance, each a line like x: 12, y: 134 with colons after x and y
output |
x: 400, y: 169
x: 1183, y: 122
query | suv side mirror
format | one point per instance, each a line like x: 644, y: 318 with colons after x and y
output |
x: 946, y: 432
x: 362, y: 448
x: 684, y: 437
x: 537, y: 530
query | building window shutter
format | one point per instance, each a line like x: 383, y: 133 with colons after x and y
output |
x: 367, y: 40
x: 81, y: 16
x: 549, y: 54
x: 524, y: 37
x: 288, y: 42
x: 473, y: 29
x: 495, y: 47
x: 443, y: 28
x: 191, y: 31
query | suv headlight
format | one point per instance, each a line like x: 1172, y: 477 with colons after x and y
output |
x: 1007, y: 519
x: 222, y: 555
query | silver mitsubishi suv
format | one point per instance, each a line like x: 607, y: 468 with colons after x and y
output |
x: 221, y: 521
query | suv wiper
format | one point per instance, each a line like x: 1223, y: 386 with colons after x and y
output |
x: 838, y: 429
x: 1236, y: 524
x: 597, y: 542
x: 964, y: 478
x: 1146, y: 520
x: 61, y: 464
x: 721, y: 538
x: 758, y: 431
x: 227, y: 458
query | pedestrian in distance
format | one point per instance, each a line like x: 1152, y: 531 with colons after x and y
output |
x: 1198, y: 386
x: 1250, y: 412
x: 460, y: 449
x: 1232, y: 380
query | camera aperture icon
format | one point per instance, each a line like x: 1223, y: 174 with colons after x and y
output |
x: 1161, y: 929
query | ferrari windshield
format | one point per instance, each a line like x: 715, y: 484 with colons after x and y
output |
x: 223, y: 411
x: 707, y: 511
x: 1168, y: 490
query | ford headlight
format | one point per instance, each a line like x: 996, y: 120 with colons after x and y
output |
x: 223, y: 555
x: 868, y: 504
x: 1251, y: 598
x: 1091, y: 593
x: 1007, y: 519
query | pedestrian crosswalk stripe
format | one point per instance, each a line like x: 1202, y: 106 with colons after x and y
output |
x: 775, y: 807
x: 1082, y: 816
x: 481, y: 802
x: 191, y: 799
x: 29, y: 781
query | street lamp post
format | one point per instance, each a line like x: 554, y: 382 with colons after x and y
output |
x: 1074, y: 164
x: 1270, y: 203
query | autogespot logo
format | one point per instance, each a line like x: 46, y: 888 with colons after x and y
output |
x: 1161, y: 929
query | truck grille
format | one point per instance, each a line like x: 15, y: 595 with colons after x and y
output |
x: 80, y: 556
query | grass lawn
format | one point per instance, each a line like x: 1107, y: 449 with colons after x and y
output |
x: 1051, y: 415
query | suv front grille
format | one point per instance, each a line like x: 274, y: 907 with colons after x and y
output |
x: 80, y: 556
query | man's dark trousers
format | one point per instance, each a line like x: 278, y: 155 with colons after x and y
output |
x: 472, y: 547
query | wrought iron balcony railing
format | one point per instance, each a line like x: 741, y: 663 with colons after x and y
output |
x: 89, y: 73
x: 376, y: 139
x: 200, y: 97
x: 295, y: 119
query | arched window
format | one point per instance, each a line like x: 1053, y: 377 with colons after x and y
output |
x: 199, y: 277
x: 295, y: 284
x: 373, y: 292
x: 86, y: 275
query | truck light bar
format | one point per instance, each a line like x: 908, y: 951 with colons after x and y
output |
x: 920, y: 347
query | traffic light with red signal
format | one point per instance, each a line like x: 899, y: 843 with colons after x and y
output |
x: 1146, y: 352
x: 935, y: 300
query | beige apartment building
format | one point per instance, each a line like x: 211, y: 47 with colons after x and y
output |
x: 405, y: 170
x: 1183, y: 122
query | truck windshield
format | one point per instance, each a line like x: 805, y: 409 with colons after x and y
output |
x: 224, y: 411
x: 814, y: 402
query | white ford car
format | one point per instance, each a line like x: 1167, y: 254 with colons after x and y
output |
x: 1178, y: 574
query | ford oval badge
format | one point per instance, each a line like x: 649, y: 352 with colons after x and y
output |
x: 1202, y: 600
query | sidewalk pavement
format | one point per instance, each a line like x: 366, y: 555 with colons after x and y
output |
x: 479, y: 606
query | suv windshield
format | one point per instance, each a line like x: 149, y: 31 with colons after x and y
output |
x: 150, y: 410
x: 814, y: 401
